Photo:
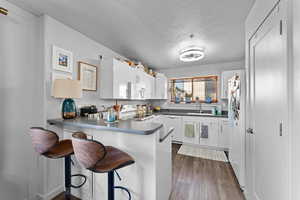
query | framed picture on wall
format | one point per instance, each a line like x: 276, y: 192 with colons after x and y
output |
x: 87, y: 74
x: 62, y: 60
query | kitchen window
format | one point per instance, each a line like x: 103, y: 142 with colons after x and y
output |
x: 190, y: 90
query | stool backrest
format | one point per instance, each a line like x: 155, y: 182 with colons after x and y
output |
x: 87, y: 152
x: 43, y: 140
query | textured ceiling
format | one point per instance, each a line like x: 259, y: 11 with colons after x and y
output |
x: 154, y: 31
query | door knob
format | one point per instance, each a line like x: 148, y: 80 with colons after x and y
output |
x: 250, y: 131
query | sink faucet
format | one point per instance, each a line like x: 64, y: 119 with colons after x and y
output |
x: 200, y: 106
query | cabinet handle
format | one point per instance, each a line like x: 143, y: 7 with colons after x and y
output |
x: 280, y: 129
x: 221, y: 128
x: 165, y: 137
x: 250, y: 131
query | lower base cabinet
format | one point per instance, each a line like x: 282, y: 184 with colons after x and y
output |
x: 225, y: 133
x: 204, y: 131
x: 208, y: 133
x: 176, y: 123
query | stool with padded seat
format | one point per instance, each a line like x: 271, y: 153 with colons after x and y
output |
x: 98, y: 158
x: 46, y: 143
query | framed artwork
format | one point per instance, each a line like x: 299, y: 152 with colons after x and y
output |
x: 87, y: 74
x: 62, y: 60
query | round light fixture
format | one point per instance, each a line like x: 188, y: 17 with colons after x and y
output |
x: 191, y: 54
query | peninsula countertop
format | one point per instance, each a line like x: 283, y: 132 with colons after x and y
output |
x: 127, y: 126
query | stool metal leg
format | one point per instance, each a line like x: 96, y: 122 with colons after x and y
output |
x: 68, y: 177
x: 111, y: 185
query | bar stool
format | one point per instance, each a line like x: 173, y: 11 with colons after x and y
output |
x: 46, y: 143
x: 98, y: 158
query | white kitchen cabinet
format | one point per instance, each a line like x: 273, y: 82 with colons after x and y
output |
x: 139, y: 84
x: 225, y: 76
x: 149, y: 86
x: 161, y: 86
x: 208, y: 132
x: 190, y: 124
x: 225, y: 132
x: 176, y: 123
x: 116, y: 80
x: 122, y: 80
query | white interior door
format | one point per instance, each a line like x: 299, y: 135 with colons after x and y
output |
x: 269, y: 170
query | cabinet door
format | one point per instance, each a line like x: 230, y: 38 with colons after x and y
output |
x: 149, y: 86
x: 139, y: 86
x: 224, y: 134
x: 121, y: 80
x: 208, y: 132
x: 190, y: 132
x: 176, y: 123
x: 161, y: 86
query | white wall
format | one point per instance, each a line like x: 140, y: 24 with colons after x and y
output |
x: 21, y: 103
x: 200, y: 70
x: 83, y: 49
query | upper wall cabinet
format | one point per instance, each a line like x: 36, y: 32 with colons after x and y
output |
x: 120, y: 81
x: 161, y: 86
x: 116, y: 80
x: 142, y: 85
x: 225, y: 76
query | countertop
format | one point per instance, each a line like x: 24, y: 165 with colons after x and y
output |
x: 127, y: 126
x: 192, y: 113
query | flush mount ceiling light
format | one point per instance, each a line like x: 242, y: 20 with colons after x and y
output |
x: 191, y: 54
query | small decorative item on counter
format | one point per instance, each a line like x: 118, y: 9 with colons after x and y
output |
x: 213, y: 110
x: 219, y: 110
x: 157, y: 108
x: 140, y: 112
x: 149, y: 109
x: 177, y: 99
x: 208, y: 99
x: 117, y: 108
x: 94, y: 116
x: 111, y: 117
x: 188, y: 98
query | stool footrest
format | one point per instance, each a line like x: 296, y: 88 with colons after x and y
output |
x: 80, y: 185
x: 125, y: 189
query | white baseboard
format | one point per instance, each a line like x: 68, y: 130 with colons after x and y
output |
x: 50, y: 195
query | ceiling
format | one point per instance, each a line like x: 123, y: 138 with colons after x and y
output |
x: 154, y: 31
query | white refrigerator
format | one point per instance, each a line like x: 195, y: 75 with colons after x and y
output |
x: 236, y: 115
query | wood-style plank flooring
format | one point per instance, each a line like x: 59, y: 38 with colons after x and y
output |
x: 61, y: 196
x: 199, y: 179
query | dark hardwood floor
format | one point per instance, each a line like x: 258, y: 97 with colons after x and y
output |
x: 199, y: 179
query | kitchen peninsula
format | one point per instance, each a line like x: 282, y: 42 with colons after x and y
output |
x: 146, y: 141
